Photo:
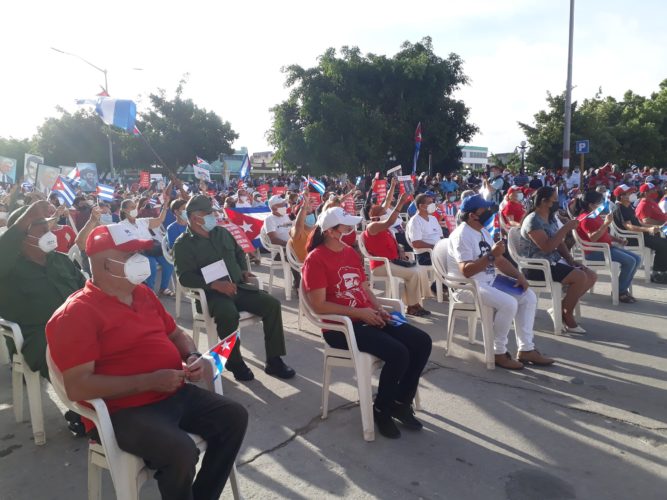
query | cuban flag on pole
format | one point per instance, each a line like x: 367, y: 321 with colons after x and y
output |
x: 64, y: 190
x: 120, y: 113
x: 105, y: 192
x: 418, y: 144
x: 220, y: 352
x: 245, y: 168
x: 315, y: 184
x: 595, y: 212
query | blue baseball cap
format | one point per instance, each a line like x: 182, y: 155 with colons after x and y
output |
x: 472, y: 203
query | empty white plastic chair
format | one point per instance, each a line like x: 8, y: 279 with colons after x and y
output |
x: 471, y: 312
x: 363, y: 363
x: 281, y: 263
x: 21, y: 371
x: 128, y: 472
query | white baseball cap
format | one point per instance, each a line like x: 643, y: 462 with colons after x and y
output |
x: 334, y: 216
x: 276, y: 200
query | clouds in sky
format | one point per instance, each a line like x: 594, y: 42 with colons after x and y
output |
x: 514, y: 52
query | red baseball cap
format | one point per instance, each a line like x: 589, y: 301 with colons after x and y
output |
x: 646, y: 187
x: 624, y: 189
x: 115, y: 237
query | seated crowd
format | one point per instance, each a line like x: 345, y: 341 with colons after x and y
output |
x: 112, y: 338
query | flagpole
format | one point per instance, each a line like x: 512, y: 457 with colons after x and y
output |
x: 159, y: 159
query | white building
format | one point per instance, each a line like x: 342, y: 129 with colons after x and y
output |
x: 474, y: 157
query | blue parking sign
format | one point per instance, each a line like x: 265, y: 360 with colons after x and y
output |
x: 581, y: 147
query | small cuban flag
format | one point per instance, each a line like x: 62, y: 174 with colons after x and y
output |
x: 245, y: 168
x: 64, y: 190
x: 491, y: 225
x: 220, y: 352
x: 105, y: 192
x: 595, y: 212
x: 315, y: 184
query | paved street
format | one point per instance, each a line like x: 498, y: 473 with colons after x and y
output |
x: 594, y: 426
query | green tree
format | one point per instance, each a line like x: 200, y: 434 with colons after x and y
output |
x: 16, y: 148
x: 350, y: 113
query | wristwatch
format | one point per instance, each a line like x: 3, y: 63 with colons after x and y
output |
x: 491, y: 257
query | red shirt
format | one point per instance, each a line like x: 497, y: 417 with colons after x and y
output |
x: 587, y: 226
x: 350, y: 239
x: 514, y: 209
x: 340, y: 273
x: 382, y: 244
x: 649, y: 209
x: 122, y: 340
x: 65, y: 236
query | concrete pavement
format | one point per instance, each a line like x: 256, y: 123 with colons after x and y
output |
x: 594, y: 426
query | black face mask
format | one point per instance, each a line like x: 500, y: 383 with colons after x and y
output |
x: 553, y: 208
x: 485, y: 216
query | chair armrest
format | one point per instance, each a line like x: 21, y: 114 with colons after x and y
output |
x: 255, y: 280
x: 391, y: 304
x: 15, y: 335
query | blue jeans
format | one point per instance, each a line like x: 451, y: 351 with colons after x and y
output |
x: 167, y: 270
x: 629, y: 264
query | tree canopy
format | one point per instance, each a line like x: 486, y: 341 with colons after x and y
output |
x: 630, y: 131
x: 351, y: 113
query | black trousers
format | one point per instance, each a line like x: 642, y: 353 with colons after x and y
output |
x: 659, y: 245
x: 404, y: 349
x: 158, y: 434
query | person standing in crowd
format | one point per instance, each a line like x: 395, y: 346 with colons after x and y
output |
x: 648, y: 211
x: 380, y: 242
x: 147, y: 228
x: 471, y: 253
x: 34, y: 279
x: 493, y: 187
x: 205, y: 243
x: 593, y: 228
x: 541, y: 238
x: 335, y: 281
x: 626, y: 219
x: 114, y: 340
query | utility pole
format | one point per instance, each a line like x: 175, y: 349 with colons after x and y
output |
x: 568, y: 95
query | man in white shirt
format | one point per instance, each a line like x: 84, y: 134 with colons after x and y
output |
x: 277, y: 225
x: 242, y: 199
x: 471, y: 253
x: 423, y: 230
x: 574, y: 179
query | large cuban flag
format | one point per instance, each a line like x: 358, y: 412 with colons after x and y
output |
x: 120, y: 113
x: 250, y: 220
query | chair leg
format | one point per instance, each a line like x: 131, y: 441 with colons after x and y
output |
x: 365, y: 398
x: 487, y: 334
x: 288, y: 281
x: 472, y: 328
x: 325, y: 388
x: 35, y: 402
x: 615, y: 271
x: 178, y: 292
x: 234, y: 481
x: 4, y: 353
x: 94, y: 479
x: 299, y: 319
x: 557, y: 304
x: 17, y: 389
x: 451, y: 322
x: 438, y: 290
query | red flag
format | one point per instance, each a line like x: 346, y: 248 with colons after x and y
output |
x: 250, y: 223
x: 418, y: 133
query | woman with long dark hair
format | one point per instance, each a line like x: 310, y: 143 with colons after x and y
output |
x: 594, y: 228
x: 542, y: 238
x: 335, y: 282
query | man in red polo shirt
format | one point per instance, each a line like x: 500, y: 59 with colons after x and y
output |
x: 648, y: 210
x: 114, y: 340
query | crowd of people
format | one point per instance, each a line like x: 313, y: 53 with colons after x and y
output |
x: 112, y: 338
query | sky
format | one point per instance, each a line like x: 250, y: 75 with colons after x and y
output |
x: 514, y: 51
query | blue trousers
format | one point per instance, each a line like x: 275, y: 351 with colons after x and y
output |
x: 167, y: 270
x: 629, y: 264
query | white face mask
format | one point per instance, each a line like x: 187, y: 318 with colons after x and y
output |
x: 47, y: 242
x: 519, y: 197
x: 133, y: 213
x: 431, y: 208
x: 282, y: 210
x: 633, y: 198
x: 136, y: 269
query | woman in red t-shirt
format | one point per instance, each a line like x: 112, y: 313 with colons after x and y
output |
x: 335, y: 282
x: 593, y: 228
x: 513, y: 210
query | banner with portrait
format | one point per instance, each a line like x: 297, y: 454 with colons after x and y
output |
x: 30, y: 164
x: 46, y: 178
x: 7, y: 170
x: 87, y: 177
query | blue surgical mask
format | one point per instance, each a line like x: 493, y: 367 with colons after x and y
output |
x: 209, y: 222
x: 106, y: 219
x: 452, y: 199
x: 310, y: 220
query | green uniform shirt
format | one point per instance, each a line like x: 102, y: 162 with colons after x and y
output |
x: 30, y: 293
x: 192, y: 252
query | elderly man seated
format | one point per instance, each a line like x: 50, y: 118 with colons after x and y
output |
x: 114, y: 340
x: 473, y: 254
x: 34, y: 279
x: 207, y: 256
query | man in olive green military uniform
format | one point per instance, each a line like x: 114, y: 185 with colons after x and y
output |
x: 204, y: 243
x: 34, y: 279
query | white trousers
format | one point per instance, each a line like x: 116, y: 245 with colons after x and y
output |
x: 506, y: 308
x: 412, y: 277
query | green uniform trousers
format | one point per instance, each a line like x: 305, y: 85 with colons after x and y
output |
x: 226, y: 309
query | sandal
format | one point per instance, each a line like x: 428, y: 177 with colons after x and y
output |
x: 626, y: 298
x: 167, y: 293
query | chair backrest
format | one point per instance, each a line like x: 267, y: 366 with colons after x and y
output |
x: 265, y: 240
x: 293, y: 260
x: 440, y: 264
x: 513, y: 242
x: 361, y: 241
x: 166, y: 252
x: 12, y: 331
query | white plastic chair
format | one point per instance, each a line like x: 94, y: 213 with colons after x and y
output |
x: 178, y: 289
x: 75, y: 256
x: 431, y: 275
x: 204, y: 321
x: 21, y: 371
x: 277, y: 250
x: 363, y: 363
x: 295, y: 264
x: 471, y: 312
x: 128, y: 472
x: 548, y: 285
x: 613, y: 268
x: 392, y: 283
x: 644, y: 252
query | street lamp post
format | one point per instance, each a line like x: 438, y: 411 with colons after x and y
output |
x: 106, y: 91
x: 568, y: 95
x: 522, y: 146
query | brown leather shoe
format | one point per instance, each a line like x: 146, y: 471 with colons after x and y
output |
x: 534, y: 357
x: 506, y: 361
